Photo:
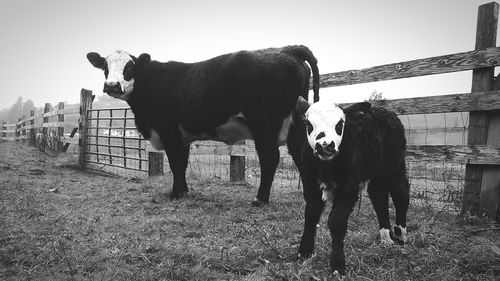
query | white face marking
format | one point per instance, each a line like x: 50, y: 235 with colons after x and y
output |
x: 325, y: 128
x: 385, y: 236
x: 116, y: 62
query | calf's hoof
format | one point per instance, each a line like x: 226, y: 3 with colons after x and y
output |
x: 259, y: 203
x: 399, y: 234
x: 178, y: 195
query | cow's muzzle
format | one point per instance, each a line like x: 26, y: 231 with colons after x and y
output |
x: 326, y: 151
x: 113, y: 89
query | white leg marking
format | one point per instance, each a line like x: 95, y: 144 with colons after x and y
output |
x: 403, y: 235
x: 385, y: 236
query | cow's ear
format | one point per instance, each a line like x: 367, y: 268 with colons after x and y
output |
x: 96, y: 60
x: 301, y: 106
x: 144, y: 59
x: 360, y: 108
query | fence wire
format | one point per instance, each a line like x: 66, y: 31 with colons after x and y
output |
x: 115, y: 146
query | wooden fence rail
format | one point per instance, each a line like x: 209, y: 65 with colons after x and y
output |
x: 45, y: 130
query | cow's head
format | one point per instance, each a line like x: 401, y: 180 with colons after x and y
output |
x: 119, y: 69
x: 325, y: 122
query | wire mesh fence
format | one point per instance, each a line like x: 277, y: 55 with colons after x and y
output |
x: 115, y: 146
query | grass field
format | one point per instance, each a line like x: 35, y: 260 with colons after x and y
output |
x: 60, y: 223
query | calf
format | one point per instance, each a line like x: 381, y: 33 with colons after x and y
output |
x: 343, y: 152
x: 242, y: 95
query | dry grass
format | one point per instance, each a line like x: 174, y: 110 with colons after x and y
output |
x: 59, y: 223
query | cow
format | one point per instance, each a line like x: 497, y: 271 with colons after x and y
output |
x: 343, y: 152
x: 236, y: 96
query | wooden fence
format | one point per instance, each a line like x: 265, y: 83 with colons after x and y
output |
x: 108, y: 137
x: 481, y: 153
x: 45, y: 130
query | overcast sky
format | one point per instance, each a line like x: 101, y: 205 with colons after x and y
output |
x: 44, y: 43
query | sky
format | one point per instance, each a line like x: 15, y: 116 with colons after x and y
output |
x: 43, y: 44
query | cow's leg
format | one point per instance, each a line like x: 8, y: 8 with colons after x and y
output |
x: 400, y: 197
x: 379, y: 195
x: 178, y: 159
x: 337, y: 222
x: 265, y: 132
x: 269, y: 157
x: 314, y: 208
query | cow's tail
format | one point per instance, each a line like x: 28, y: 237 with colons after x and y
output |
x: 304, y: 54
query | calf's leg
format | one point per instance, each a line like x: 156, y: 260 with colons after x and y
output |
x: 314, y: 208
x: 337, y: 222
x: 400, y: 197
x: 379, y: 195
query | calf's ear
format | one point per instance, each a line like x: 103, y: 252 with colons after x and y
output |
x: 301, y: 106
x: 96, y: 60
x: 360, y: 108
x: 144, y: 58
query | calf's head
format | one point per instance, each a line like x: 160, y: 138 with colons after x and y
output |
x: 325, y: 122
x: 119, y: 70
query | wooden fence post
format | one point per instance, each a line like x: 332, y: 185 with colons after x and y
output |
x: 18, y: 129
x: 482, y: 183
x: 32, y: 134
x: 237, y: 166
x: 4, y: 129
x: 86, y: 99
x: 60, y: 127
x: 155, y: 163
x: 23, y: 128
x: 45, y: 129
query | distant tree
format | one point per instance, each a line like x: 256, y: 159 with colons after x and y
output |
x: 28, y: 106
x: 15, y: 111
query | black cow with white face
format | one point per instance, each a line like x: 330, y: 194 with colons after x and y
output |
x: 242, y: 95
x: 343, y: 152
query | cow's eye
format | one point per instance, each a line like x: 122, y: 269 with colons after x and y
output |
x: 309, y: 127
x: 339, y: 127
x: 128, y: 71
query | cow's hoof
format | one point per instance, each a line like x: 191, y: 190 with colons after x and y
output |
x: 304, y: 255
x: 258, y: 203
x: 178, y: 195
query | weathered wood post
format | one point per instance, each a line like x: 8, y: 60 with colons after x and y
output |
x: 23, y: 128
x: 4, y: 128
x: 60, y: 126
x: 155, y: 163
x: 45, y: 128
x: 237, y: 166
x: 482, y: 182
x: 86, y: 99
x: 32, y: 136
x: 18, y: 129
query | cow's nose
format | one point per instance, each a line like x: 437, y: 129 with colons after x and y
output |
x: 319, y: 148
x: 112, y: 87
x: 330, y: 147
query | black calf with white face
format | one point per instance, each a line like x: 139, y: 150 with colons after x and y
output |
x: 325, y: 127
x: 119, y: 69
x: 369, y: 153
